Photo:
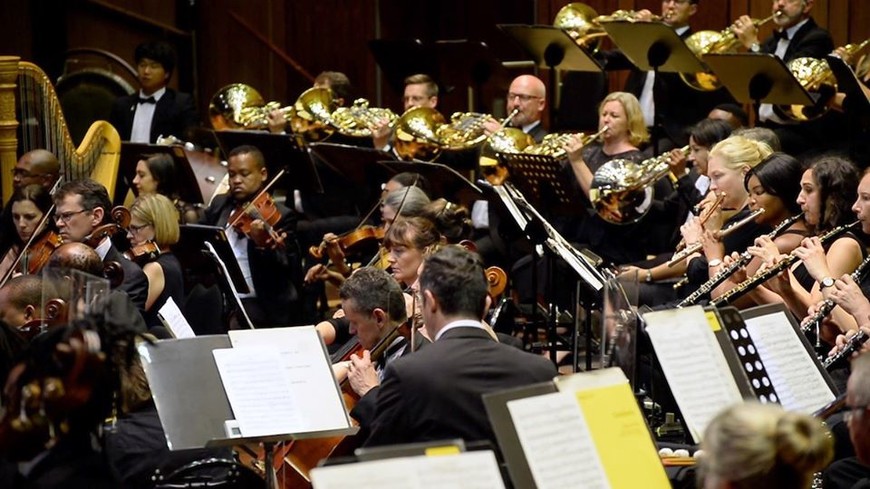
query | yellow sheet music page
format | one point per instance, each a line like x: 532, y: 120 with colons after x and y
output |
x: 618, y: 429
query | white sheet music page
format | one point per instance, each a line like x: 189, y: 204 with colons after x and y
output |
x: 694, y: 365
x: 468, y: 470
x: 172, y: 317
x: 262, y: 402
x: 556, y: 442
x: 307, y: 368
x: 793, y: 372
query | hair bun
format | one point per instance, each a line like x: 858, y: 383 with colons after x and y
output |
x: 802, y: 443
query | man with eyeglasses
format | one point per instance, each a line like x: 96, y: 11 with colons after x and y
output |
x: 156, y: 110
x: 37, y: 167
x: 80, y: 207
x: 527, y: 94
x: 854, y: 472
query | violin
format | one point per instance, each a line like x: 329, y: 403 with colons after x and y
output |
x: 37, y: 255
x: 261, y: 208
x: 350, y: 241
x: 121, y: 221
x: 141, y: 254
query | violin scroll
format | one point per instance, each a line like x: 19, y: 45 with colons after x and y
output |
x: 496, y: 280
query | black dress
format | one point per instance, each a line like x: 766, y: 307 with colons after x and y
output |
x: 173, y: 286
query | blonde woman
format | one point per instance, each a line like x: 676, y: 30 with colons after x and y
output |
x: 756, y: 446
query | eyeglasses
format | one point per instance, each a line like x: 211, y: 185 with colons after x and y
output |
x: 523, y: 97
x: 135, y: 229
x: 67, y: 216
x: 853, y: 411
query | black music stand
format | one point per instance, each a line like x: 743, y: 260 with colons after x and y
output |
x: 400, y: 58
x: 653, y: 46
x: 849, y: 84
x: 466, y: 63
x: 551, y: 47
x: 758, y: 78
x: 445, y: 181
x: 187, y: 187
x: 281, y: 152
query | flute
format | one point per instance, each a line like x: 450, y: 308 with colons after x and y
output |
x: 696, y: 247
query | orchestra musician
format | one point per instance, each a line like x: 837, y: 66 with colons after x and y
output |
x: 152, y: 232
x: 435, y: 394
x: 38, y: 167
x: 854, y: 472
x: 155, y: 110
x: 528, y: 94
x: 407, y: 242
x: 156, y: 174
x: 336, y: 81
x: 83, y: 206
x: 420, y: 91
x: 272, y: 271
x: 21, y: 216
x: 21, y: 300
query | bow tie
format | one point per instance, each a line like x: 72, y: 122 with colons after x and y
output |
x: 149, y: 100
x: 780, y: 35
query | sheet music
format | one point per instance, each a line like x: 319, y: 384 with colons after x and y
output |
x: 174, y: 320
x: 306, y: 367
x: 793, y: 372
x: 263, y: 403
x: 557, y: 460
x: 468, y: 470
x: 694, y: 365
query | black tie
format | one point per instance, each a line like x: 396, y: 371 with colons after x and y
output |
x: 783, y: 35
x: 149, y: 100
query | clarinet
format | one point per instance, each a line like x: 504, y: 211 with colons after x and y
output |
x: 766, y: 274
x: 742, y: 260
x: 828, y: 305
x: 841, y: 357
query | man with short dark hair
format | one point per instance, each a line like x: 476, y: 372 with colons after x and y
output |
x: 36, y: 167
x: 156, y: 110
x: 271, y: 269
x: 435, y: 394
x: 21, y: 300
x: 81, y: 206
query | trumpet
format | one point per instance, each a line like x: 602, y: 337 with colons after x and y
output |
x: 767, y: 273
x: 696, y: 247
x: 712, y: 42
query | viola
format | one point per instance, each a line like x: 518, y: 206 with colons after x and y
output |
x: 261, y: 208
x: 141, y: 254
x: 349, y: 242
x: 121, y: 221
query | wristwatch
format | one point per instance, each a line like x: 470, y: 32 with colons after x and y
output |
x: 826, y: 282
x: 755, y: 47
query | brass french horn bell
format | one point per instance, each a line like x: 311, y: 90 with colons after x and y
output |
x: 311, y: 114
x: 415, y: 134
x: 508, y: 140
x: 227, y: 105
x: 580, y: 22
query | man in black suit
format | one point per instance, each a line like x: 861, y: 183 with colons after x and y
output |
x: 81, y: 207
x: 435, y: 394
x: 156, y: 110
x: 268, y: 256
x: 797, y: 36
x: 528, y: 95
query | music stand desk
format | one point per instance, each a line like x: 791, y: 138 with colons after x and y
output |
x: 758, y: 78
x: 653, y: 46
x: 551, y: 47
x: 191, y: 245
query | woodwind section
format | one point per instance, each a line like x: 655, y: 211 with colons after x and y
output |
x: 8, y: 122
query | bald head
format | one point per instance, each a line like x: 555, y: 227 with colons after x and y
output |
x: 36, y: 167
x: 528, y: 94
x: 77, y: 256
x: 20, y: 299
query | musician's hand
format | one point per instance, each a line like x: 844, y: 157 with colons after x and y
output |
x: 643, y: 16
x: 812, y: 254
x: 764, y: 249
x: 692, y: 231
x: 260, y: 235
x: 632, y: 272
x: 712, y: 246
x: 491, y: 126
x: 811, y: 311
x: 781, y: 282
x: 677, y: 161
x: 739, y: 275
x: 843, y: 54
x: 381, y: 133
x: 745, y: 30
x: 842, y: 339
x: 362, y: 376
x: 277, y: 121
x: 574, y: 147
x: 847, y: 294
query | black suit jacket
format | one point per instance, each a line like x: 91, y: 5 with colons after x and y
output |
x: 135, y: 283
x: 538, y: 132
x: 809, y: 41
x: 435, y: 394
x: 174, y: 115
x: 276, y: 273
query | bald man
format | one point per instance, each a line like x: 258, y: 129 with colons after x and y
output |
x: 527, y: 94
x: 38, y: 167
x: 20, y: 300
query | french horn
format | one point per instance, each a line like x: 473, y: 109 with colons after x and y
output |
x: 230, y: 102
x: 415, y: 134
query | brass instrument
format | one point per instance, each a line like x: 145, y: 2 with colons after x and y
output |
x: 311, y: 114
x: 415, y: 136
x: 226, y: 106
x: 554, y: 144
x: 712, y: 42
x: 621, y: 190
x: 764, y: 275
x: 696, y: 247
x: 583, y: 23
x: 464, y: 131
x: 816, y: 77
x: 31, y: 118
x: 358, y: 119
x: 508, y: 140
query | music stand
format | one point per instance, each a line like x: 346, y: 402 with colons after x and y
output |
x: 551, y: 47
x: 466, y: 63
x: 400, y: 58
x: 849, y: 84
x: 358, y: 167
x: 187, y: 187
x: 444, y: 180
x: 281, y: 152
x: 758, y: 78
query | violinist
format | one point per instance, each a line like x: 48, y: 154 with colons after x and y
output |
x: 22, y: 215
x: 152, y: 231
x: 267, y: 254
x: 83, y: 207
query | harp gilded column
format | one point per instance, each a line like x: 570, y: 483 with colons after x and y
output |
x: 8, y: 123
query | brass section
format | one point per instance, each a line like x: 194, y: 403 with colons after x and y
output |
x: 712, y: 42
x: 464, y: 131
x: 226, y: 106
x: 415, y: 136
x: 358, y: 119
x: 311, y: 114
x: 509, y: 140
x: 554, y: 144
x: 8, y: 123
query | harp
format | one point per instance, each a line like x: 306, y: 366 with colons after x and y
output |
x: 31, y: 118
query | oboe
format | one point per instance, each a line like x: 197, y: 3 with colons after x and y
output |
x: 763, y: 276
x: 694, y: 248
x: 741, y: 261
x: 854, y: 344
x: 828, y: 305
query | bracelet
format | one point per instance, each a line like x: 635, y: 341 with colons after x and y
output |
x: 649, y: 277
